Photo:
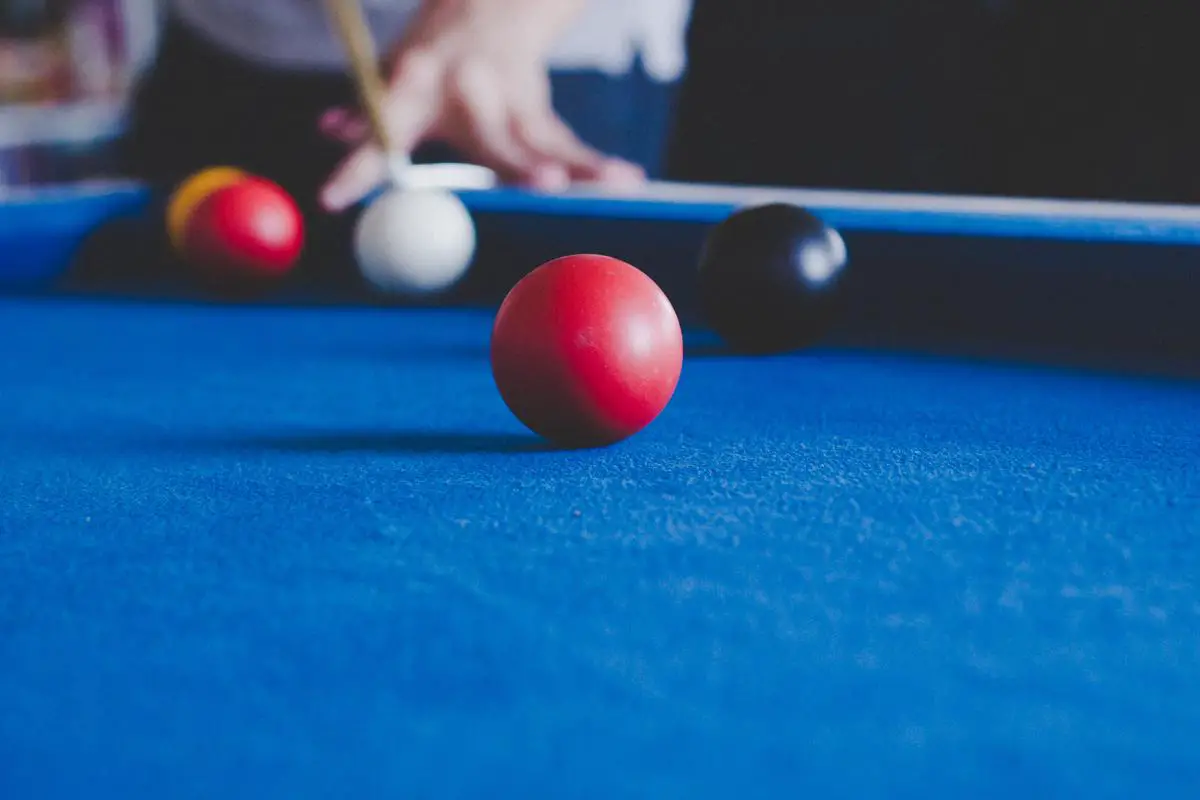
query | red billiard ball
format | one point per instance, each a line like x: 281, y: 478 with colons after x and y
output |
x: 248, y: 233
x: 586, y: 350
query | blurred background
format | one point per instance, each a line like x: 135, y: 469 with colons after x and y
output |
x: 1067, y: 98
x: 66, y: 69
x: 1064, y: 98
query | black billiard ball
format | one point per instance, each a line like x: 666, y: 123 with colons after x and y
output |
x: 772, y: 278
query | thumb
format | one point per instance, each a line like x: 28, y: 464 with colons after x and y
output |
x: 354, y: 178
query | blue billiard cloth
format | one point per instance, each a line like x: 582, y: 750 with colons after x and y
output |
x: 303, y: 553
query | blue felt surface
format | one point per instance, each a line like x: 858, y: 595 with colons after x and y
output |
x: 294, y: 553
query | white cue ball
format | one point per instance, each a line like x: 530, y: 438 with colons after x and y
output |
x: 415, y: 241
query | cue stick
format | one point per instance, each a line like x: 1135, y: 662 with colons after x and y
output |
x: 351, y: 25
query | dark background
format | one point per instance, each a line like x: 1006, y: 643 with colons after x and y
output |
x: 1067, y: 98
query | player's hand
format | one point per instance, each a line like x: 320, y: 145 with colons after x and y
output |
x: 472, y: 74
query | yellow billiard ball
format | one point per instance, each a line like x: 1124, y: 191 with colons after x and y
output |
x: 190, y: 194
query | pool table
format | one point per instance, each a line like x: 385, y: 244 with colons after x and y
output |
x: 298, y: 548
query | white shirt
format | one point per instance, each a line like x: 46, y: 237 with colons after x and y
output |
x: 607, y: 37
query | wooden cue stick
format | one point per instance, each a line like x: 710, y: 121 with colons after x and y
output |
x: 352, y: 29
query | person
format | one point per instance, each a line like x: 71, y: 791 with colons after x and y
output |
x: 545, y: 92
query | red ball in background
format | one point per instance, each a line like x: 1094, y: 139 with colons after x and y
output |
x: 248, y: 233
x: 586, y: 350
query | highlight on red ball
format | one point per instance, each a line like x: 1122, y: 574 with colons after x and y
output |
x: 586, y: 350
x: 247, y: 234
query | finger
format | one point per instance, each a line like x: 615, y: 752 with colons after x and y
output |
x: 343, y: 125
x: 489, y: 143
x: 358, y: 175
x: 613, y: 173
x: 333, y: 118
x: 482, y: 128
x: 412, y: 108
x: 619, y: 173
x: 414, y: 101
x: 550, y: 177
x: 553, y: 141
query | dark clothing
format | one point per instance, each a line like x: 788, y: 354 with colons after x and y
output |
x: 1064, y: 98
x: 870, y: 100
x: 1100, y: 102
